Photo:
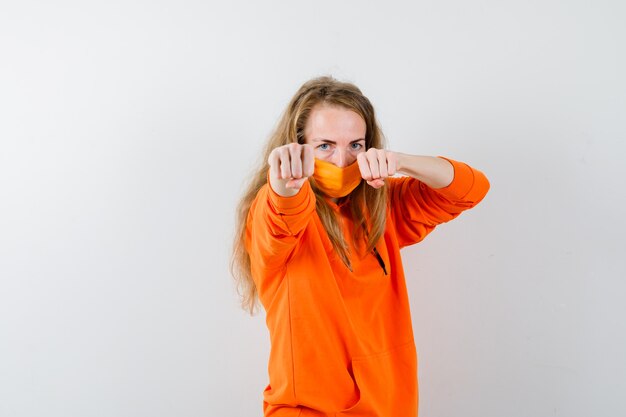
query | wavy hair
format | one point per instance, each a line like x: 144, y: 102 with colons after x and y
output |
x: 367, y: 205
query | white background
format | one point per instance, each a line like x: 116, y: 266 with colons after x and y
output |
x: 127, y: 131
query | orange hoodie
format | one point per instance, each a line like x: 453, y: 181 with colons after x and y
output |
x: 341, y: 341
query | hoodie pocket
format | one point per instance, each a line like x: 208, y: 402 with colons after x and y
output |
x: 387, y: 383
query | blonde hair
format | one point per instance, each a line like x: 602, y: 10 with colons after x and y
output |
x: 367, y: 205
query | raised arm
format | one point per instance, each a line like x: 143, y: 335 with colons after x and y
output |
x: 417, y: 208
x: 436, y: 190
x: 432, y: 171
x: 280, y: 212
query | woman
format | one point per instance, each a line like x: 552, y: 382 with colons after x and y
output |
x: 319, y: 235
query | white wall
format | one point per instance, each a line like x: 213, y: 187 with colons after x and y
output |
x: 127, y: 129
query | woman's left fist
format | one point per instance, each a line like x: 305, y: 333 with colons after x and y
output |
x: 376, y: 165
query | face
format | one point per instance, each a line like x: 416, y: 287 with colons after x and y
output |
x: 336, y: 134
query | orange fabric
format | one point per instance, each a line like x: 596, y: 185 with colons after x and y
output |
x: 334, y: 181
x: 341, y: 341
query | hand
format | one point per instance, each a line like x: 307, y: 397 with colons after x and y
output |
x: 376, y: 165
x: 290, y: 166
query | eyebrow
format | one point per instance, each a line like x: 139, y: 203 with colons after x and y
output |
x: 333, y: 142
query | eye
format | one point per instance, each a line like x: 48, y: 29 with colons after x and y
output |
x: 324, y: 147
x: 356, y: 146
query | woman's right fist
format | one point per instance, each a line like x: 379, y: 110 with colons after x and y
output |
x: 290, y: 166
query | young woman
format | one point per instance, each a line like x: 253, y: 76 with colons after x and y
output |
x: 318, y: 243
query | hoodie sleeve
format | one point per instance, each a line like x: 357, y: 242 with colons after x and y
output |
x: 274, y: 226
x: 416, y: 209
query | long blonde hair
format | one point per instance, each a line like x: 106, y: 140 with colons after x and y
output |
x: 367, y: 205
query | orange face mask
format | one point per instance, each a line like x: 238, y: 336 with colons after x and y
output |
x: 336, y: 182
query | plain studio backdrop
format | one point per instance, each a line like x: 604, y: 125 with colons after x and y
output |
x: 128, y: 130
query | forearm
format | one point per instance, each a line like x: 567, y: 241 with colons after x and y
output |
x: 432, y: 171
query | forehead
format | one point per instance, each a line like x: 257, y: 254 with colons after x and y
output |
x: 334, y: 123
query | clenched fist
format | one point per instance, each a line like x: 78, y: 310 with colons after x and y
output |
x: 290, y: 166
x: 376, y: 165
